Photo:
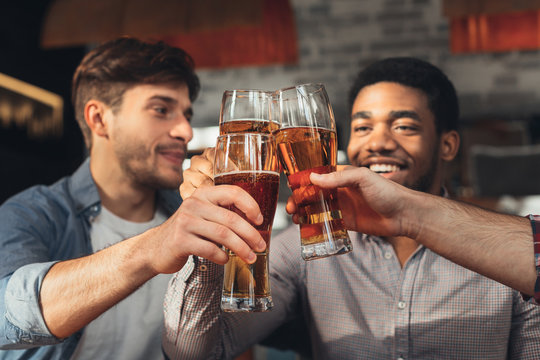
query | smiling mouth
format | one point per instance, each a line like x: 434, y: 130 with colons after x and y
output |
x: 174, y: 156
x: 384, y: 168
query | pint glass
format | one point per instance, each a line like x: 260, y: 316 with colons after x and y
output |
x: 247, y: 111
x: 249, y: 161
x: 307, y: 143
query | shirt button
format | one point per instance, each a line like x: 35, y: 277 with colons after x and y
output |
x: 203, y: 268
x: 388, y: 255
x: 401, y: 305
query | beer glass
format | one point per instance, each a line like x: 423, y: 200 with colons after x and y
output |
x: 245, y: 111
x: 307, y: 143
x: 250, y: 161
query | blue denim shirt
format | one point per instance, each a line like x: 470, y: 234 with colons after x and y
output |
x: 39, y: 227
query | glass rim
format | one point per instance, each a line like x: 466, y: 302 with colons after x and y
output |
x: 319, y: 86
x: 246, y: 91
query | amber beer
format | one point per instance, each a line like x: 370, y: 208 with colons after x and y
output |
x: 246, y: 286
x: 247, y: 111
x: 240, y: 126
x: 303, y: 150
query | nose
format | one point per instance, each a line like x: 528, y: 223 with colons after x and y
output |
x: 381, y: 139
x: 182, y: 129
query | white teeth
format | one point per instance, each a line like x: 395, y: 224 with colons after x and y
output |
x: 383, y: 168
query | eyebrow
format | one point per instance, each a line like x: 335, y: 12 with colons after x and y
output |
x: 164, y: 98
x: 169, y: 100
x: 361, y: 115
x: 405, y: 114
x: 396, y: 114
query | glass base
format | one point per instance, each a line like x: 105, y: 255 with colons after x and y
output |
x: 234, y: 304
x: 325, y: 249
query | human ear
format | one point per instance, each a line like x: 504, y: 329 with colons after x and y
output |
x: 449, y: 145
x: 94, y: 114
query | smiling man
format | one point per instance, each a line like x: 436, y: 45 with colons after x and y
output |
x: 85, y: 261
x: 390, y: 298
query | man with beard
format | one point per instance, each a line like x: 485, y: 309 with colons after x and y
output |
x: 390, y: 298
x: 83, y: 260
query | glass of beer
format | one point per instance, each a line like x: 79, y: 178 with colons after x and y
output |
x: 244, y: 111
x: 307, y: 143
x: 250, y: 161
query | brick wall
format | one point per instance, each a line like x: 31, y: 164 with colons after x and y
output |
x: 337, y: 37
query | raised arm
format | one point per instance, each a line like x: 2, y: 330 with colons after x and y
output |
x: 495, y: 245
x: 77, y: 291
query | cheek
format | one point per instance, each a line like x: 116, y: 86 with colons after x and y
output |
x: 421, y: 152
x: 353, y: 149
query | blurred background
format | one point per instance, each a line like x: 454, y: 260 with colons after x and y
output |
x: 490, y: 49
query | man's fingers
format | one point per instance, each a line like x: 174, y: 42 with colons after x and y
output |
x: 209, y: 250
x: 349, y: 176
x: 204, y: 163
x: 192, y: 181
x: 230, y: 195
x: 291, y: 207
x: 218, y: 234
x: 200, y: 173
x: 209, y: 153
x: 203, y: 204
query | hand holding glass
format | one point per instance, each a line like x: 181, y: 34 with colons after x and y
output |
x: 307, y: 143
x: 250, y: 162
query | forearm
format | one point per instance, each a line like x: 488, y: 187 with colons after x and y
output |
x: 495, y: 245
x: 75, y: 292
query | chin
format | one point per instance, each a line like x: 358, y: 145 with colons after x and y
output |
x: 169, y: 181
x: 396, y: 177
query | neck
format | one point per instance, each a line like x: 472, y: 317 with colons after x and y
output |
x: 119, y: 193
x: 404, y: 247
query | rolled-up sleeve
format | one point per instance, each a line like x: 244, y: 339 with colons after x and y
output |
x: 29, y: 224
x: 22, y: 324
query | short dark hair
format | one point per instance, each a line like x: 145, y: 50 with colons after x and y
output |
x: 419, y: 74
x: 109, y: 70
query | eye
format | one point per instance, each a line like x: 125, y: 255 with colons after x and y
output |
x: 407, y: 129
x: 361, y: 129
x: 162, y: 110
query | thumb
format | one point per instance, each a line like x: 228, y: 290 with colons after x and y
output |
x: 347, y: 177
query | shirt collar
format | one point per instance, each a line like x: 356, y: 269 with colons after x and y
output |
x: 82, y: 188
x: 85, y: 195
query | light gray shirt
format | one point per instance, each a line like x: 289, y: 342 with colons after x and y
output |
x: 132, y: 328
x: 361, y: 305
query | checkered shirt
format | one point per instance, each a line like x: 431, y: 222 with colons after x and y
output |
x: 362, y: 305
